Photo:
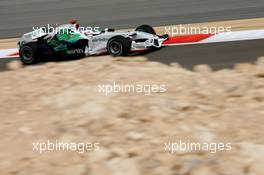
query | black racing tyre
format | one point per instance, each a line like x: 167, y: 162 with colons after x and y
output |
x: 146, y: 28
x: 118, y: 46
x: 29, y: 53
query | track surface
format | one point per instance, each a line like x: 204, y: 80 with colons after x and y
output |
x: 19, y: 16
x: 218, y: 56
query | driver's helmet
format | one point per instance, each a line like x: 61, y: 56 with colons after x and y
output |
x: 75, y: 22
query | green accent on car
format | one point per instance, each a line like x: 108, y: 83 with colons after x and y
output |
x: 58, y: 43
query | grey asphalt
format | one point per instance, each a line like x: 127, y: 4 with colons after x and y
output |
x: 217, y: 55
x: 20, y: 16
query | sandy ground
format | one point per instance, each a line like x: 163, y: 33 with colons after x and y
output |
x: 8, y: 43
x: 235, y: 25
x: 61, y: 101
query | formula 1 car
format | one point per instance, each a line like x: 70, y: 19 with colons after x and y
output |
x: 65, y: 40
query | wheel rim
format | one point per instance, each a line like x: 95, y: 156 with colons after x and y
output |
x: 115, y: 48
x: 27, y: 54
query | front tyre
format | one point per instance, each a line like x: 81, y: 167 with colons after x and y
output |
x: 118, y: 46
x: 29, y: 53
x: 146, y: 28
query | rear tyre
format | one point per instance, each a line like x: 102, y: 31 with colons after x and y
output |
x: 146, y: 28
x: 118, y: 46
x: 29, y: 53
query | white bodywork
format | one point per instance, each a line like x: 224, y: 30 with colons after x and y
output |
x: 98, y: 41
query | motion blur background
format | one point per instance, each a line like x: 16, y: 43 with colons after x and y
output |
x: 19, y: 16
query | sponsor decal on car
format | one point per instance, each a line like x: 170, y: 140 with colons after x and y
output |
x: 100, y: 40
x: 75, y: 51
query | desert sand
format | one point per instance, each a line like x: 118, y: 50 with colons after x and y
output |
x: 61, y: 101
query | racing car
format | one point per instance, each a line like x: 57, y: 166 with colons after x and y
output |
x: 67, y: 41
